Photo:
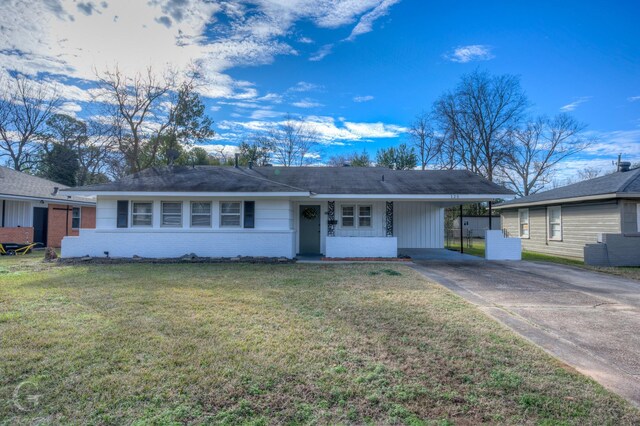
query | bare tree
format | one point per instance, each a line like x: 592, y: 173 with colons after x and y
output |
x: 589, y: 173
x: 425, y: 140
x: 97, y: 153
x: 537, y: 149
x: 254, y: 150
x: 25, y: 107
x: 353, y: 159
x: 291, y: 142
x: 477, y: 119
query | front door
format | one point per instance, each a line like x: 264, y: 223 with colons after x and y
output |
x: 40, y: 221
x: 309, y: 230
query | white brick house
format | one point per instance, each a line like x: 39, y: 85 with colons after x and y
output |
x: 276, y: 212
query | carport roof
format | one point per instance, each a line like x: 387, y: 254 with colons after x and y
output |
x: 614, y: 185
x: 301, y: 181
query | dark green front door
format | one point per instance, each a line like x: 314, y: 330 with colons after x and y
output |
x: 309, y: 230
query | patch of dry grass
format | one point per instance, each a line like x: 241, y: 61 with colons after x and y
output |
x: 271, y: 344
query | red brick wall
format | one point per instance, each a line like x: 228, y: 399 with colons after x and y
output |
x: 57, y: 229
x: 88, y: 218
x: 22, y: 235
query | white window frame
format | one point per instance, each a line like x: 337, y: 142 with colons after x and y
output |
x: 79, y: 217
x: 133, y: 214
x: 353, y: 216
x: 356, y: 216
x: 370, y: 225
x: 201, y: 214
x: 559, y: 222
x: 520, y: 223
x: 239, y: 225
x: 162, y: 214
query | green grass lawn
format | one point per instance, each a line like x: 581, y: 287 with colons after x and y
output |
x: 477, y: 249
x: 270, y: 344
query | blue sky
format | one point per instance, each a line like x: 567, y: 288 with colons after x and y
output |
x: 358, y: 70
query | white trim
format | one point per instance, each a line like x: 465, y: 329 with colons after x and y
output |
x: 48, y: 200
x: 638, y: 217
x: 520, y: 211
x: 79, y: 216
x: 559, y: 208
x: 131, y: 203
x: 239, y: 214
x: 568, y: 200
x: 162, y: 203
x: 191, y: 225
x: 156, y: 194
x: 421, y: 197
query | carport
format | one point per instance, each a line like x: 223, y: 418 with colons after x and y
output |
x: 438, y: 254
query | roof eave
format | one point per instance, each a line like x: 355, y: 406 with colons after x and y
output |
x: 187, y: 193
x: 567, y: 200
x: 47, y: 199
x: 423, y: 197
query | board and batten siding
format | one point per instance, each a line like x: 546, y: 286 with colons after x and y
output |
x: 581, y: 224
x: 418, y: 225
x: 18, y: 213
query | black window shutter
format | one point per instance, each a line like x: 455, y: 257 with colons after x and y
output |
x: 249, y: 214
x: 123, y: 214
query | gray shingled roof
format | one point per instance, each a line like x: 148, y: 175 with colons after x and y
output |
x: 620, y: 183
x: 319, y: 180
x: 17, y: 184
x: 192, y: 179
x: 377, y: 180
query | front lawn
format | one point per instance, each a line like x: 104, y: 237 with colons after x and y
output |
x: 269, y: 344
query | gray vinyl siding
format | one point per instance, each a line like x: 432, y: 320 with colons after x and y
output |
x: 581, y: 224
x: 630, y: 216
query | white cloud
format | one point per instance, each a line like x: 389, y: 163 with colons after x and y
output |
x: 366, y: 98
x: 603, y: 153
x: 329, y: 132
x: 69, y: 108
x: 633, y: 98
x: 305, y: 40
x: 307, y: 103
x: 321, y: 53
x: 365, y: 24
x: 70, y: 38
x: 473, y: 52
x: 304, y: 86
x: 575, y: 104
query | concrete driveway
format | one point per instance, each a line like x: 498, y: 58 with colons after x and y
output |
x: 589, y: 320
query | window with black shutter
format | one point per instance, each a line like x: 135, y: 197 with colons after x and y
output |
x: 249, y: 214
x: 123, y: 214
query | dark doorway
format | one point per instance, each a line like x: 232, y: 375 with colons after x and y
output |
x: 309, y: 230
x: 40, y: 222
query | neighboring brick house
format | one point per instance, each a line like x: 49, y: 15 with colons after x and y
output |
x: 33, y: 210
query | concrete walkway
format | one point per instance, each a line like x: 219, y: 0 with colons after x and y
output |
x: 589, y: 320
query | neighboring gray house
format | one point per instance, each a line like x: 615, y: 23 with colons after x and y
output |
x: 212, y: 211
x: 564, y: 220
